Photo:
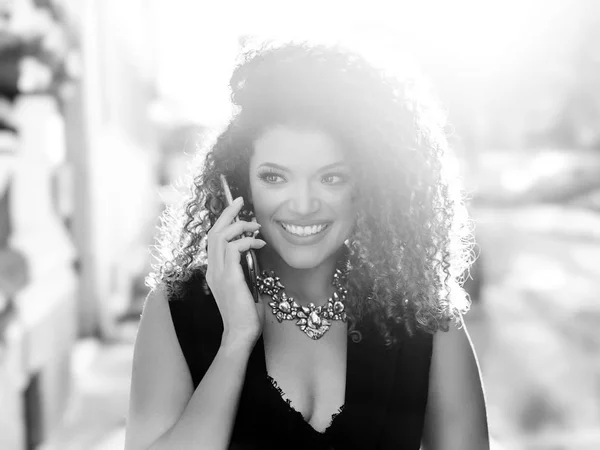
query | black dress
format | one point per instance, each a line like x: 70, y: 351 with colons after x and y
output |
x: 386, y: 388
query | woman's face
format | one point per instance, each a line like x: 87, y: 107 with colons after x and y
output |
x: 302, y: 194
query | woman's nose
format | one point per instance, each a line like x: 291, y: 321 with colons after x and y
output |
x: 303, y: 200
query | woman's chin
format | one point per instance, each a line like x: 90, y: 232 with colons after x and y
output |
x: 305, y: 259
x: 302, y: 263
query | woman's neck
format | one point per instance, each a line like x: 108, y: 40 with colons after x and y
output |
x: 306, y: 286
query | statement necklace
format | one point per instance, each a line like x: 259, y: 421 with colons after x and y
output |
x: 313, y: 320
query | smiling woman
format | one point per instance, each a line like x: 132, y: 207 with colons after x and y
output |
x: 344, y: 193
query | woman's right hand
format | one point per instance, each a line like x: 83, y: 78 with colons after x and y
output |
x: 242, y: 318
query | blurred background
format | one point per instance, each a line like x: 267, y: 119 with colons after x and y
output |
x: 103, y: 102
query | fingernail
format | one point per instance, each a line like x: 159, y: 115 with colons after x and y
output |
x: 261, y: 242
x: 239, y: 200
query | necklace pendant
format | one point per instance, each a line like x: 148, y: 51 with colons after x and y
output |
x: 312, y: 322
x: 314, y: 329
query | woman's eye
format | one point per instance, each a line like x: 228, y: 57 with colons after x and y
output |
x: 271, y: 178
x: 334, y: 178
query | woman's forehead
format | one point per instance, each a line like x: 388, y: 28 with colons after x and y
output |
x: 297, y: 147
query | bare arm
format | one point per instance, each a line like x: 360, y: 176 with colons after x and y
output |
x: 456, y: 417
x: 165, y: 412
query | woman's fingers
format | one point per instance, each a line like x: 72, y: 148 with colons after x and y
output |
x: 217, y: 240
x: 232, y: 253
x: 222, y: 242
x: 236, y: 229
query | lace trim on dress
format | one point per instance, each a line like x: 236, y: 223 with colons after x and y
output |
x: 281, y: 393
x: 339, y: 411
x: 289, y: 403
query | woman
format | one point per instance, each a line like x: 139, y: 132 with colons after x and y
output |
x: 360, y: 343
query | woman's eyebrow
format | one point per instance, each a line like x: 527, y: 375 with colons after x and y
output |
x: 322, y: 169
x: 275, y: 166
x: 333, y: 166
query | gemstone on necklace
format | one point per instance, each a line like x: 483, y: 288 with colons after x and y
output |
x: 314, y: 321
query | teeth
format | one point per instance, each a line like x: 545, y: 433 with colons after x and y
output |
x: 303, y: 231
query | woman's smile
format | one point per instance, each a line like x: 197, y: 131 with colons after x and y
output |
x: 304, y: 234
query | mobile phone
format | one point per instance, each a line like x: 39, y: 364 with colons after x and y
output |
x: 249, y: 261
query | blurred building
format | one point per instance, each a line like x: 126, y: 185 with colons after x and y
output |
x: 78, y: 177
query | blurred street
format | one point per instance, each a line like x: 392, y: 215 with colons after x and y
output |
x: 95, y: 416
x: 540, y: 361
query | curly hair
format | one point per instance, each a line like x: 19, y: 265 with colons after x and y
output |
x: 412, y: 242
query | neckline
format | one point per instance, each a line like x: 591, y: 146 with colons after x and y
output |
x: 278, y: 392
x: 274, y: 386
